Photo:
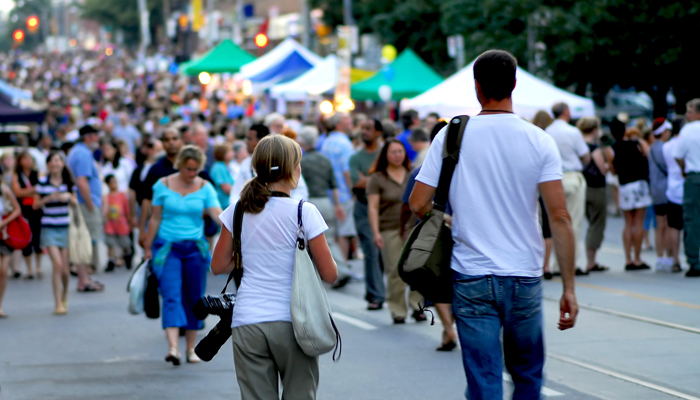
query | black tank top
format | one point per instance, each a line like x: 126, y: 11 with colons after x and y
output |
x: 630, y: 164
x: 594, y: 178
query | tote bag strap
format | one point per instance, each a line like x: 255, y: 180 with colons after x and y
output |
x: 301, y: 235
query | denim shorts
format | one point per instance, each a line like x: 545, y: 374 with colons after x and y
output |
x: 51, y: 236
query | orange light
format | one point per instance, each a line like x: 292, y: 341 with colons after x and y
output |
x: 32, y: 22
x: 261, y: 40
x: 109, y: 51
x: 18, y: 35
x: 73, y: 42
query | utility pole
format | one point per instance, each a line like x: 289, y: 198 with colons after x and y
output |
x: 145, y: 29
x: 348, y: 19
x: 306, y: 24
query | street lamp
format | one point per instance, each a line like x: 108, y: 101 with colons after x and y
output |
x: 18, y: 35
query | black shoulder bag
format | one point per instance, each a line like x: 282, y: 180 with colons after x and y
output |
x: 425, y: 260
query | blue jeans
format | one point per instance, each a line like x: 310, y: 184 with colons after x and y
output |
x: 482, y: 305
x: 374, y: 273
x: 181, y: 283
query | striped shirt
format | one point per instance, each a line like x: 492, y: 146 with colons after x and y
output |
x: 55, y: 213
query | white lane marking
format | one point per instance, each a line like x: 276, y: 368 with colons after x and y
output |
x: 354, y: 321
x: 618, y: 375
x: 123, y: 359
x: 545, y: 390
x: 636, y: 318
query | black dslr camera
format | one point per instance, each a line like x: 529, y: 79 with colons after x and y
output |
x: 222, y: 306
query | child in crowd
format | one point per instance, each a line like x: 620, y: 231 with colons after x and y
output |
x: 117, y: 228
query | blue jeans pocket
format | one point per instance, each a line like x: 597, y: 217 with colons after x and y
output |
x: 527, y: 297
x: 473, y: 295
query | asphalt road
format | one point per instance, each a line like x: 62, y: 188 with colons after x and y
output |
x: 637, y: 337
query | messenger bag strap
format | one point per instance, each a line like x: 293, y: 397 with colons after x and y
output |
x: 450, y: 157
x: 237, y: 271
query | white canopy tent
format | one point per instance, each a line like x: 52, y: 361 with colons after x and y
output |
x: 315, y: 81
x: 457, y: 95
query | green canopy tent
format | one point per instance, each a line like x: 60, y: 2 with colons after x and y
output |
x: 226, y: 57
x: 408, y: 76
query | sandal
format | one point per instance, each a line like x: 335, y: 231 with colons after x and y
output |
x: 449, y: 346
x: 29, y: 277
x: 374, y: 305
x: 579, y: 272
x: 3, y: 315
x: 173, y: 356
x: 599, y: 268
x: 547, y: 276
x: 676, y: 268
x: 91, y: 287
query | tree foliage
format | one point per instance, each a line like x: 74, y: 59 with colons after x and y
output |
x: 596, y: 44
x: 123, y: 15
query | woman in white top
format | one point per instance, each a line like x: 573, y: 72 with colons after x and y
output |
x: 114, y: 163
x: 263, y: 339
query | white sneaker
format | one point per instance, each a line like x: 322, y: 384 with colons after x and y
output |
x: 662, y: 265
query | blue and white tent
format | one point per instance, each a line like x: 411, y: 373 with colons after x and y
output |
x: 284, y: 63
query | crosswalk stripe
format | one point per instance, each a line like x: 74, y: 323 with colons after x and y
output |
x: 354, y: 321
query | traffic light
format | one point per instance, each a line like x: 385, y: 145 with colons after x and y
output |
x: 32, y: 23
x: 261, y: 40
x: 18, y: 35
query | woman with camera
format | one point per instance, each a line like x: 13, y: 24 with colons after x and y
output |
x: 264, y: 345
x: 175, y: 242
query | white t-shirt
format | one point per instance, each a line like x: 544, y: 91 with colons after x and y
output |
x: 674, y: 188
x: 494, y: 194
x: 688, y: 147
x: 570, y: 143
x: 123, y: 173
x: 268, y: 243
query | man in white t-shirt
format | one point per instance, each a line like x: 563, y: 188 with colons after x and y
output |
x: 674, y: 194
x: 687, y: 154
x: 498, y: 250
x: 574, y: 156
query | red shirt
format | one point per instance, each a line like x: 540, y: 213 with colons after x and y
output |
x: 117, y: 215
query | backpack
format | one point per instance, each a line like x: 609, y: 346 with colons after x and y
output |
x: 425, y: 261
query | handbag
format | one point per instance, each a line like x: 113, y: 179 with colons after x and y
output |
x: 79, y: 240
x: 137, y: 288
x: 312, y: 321
x: 17, y: 234
x: 151, y: 301
x: 425, y: 260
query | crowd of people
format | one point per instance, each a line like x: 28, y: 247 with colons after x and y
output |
x: 152, y: 157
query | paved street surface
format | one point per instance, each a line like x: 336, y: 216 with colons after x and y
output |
x: 637, y: 337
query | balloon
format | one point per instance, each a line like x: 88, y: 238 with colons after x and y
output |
x: 389, y: 52
x: 384, y: 93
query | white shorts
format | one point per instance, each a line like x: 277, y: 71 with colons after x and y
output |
x: 635, y: 195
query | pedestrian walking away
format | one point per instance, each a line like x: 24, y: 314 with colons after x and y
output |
x: 24, y: 182
x: 9, y: 210
x: 265, y: 350
x: 498, y: 250
x: 658, y: 183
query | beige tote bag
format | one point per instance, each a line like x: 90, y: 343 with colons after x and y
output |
x: 79, y: 240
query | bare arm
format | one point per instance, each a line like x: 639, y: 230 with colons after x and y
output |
x: 339, y: 211
x: 145, y: 213
x: 19, y: 191
x: 681, y: 163
x: 222, y: 259
x: 586, y: 159
x: 348, y: 181
x: 362, y: 182
x: 16, y: 211
x: 421, y: 200
x: 644, y: 147
x: 84, y: 190
x: 373, y: 215
x: 610, y: 157
x: 599, y: 161
x: 321, y: 254
x: 214, y: 214
x: 226, y: 188
x: 564, y: 245
x: 132, y: 207
x: 153, y: 226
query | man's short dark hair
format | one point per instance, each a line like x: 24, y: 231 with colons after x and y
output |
x: 558, y: 109
x: 378, y: 125
x: 260, y: 130
x: 407, y: 118
x: 419, y: 135
x: 434, y: 115
x: 495, y: 72
x: 436, y: 129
